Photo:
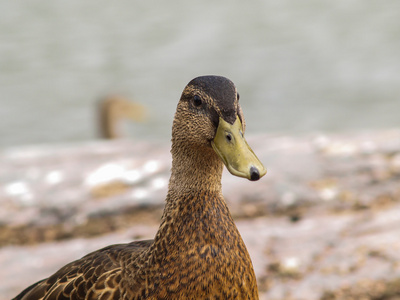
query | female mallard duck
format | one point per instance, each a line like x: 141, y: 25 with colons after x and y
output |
x: 198, y: 252
x: 114, y: 108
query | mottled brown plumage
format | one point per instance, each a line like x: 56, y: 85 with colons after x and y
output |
x: 198, y: 252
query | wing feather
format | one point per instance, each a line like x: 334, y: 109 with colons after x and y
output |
x: 97, y: 274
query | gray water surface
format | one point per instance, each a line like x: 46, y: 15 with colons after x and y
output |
x: 300, y: 66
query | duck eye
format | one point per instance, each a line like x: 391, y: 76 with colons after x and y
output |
x: 197, y: 101
x: 238, y: 96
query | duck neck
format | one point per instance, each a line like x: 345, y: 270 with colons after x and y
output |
x: 195, y: 197
x: 195, y: 169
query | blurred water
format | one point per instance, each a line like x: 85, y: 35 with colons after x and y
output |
x: 299, y: 66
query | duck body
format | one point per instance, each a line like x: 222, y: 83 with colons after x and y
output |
x: 198, y: 252
x: 205, y: 258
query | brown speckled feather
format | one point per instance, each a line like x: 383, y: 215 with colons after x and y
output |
x: 75, y: 280
x: 198, y: 252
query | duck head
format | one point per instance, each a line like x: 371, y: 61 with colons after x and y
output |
x: 209, y: 118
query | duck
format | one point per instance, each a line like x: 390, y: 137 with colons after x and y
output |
x: 197, y: 252
x: 113, y: 109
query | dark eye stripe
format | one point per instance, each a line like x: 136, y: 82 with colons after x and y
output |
x: 214, y: 116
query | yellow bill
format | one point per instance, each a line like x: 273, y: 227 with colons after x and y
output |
x: 229, y: 143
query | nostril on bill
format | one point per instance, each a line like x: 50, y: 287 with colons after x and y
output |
x: 254, y: 174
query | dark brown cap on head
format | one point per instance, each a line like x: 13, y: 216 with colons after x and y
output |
x: 223, y: 93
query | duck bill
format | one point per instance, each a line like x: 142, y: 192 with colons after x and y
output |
x: 230, y: 144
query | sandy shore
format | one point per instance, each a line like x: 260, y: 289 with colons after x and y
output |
x: 322, y: 224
